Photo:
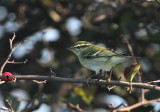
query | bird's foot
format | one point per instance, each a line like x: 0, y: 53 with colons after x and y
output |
x: 99, y: 77
x: 109, y: 78
x: 92, y: 75
x: 88, y: 78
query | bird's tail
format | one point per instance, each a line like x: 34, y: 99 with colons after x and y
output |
x: 127, y: 56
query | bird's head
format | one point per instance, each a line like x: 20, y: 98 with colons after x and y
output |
x: 79, y: 47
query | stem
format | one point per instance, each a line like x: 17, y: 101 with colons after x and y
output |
x: 86, y: 81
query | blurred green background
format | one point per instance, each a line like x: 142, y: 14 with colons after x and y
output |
x: 50, y: 26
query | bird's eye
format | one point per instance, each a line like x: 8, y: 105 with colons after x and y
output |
x: 78, y: 47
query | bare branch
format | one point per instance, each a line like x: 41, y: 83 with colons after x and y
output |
x: 141, y: 96
x: 18, y: 45
x: 4, y: 64
x: 130, y: 49
x: 4, y: 108
x: 10, y: 54
x: 39, y: 82
x: 10, y: 105
x: 53, y: 73
x: 1, y: 82
x: 109, y: 88
x: 114, y: 108
x: 13, y: 62
x: 11, y: 40
x: 75, y: 107
x: 157, y: 81
x: 85, y: 81
x: 138, y: 105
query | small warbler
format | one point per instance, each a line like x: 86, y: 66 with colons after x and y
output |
x: 97, y: 58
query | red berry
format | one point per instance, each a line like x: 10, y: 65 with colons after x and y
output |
x: 7, y: 76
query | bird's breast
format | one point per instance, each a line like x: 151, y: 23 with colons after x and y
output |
x: 96, y: 64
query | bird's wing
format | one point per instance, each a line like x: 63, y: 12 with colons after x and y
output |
x: 97, y: 52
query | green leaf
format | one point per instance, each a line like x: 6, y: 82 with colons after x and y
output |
x: 86, y: 93
x: 130, y: 72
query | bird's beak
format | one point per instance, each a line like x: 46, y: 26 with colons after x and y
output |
x: 70, y: 48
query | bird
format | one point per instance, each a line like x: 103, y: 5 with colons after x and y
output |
x: 97, y: 58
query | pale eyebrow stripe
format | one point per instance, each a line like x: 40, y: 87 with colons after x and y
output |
x: 83, y: 45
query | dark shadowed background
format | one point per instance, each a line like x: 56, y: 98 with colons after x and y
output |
x: 50, y: 26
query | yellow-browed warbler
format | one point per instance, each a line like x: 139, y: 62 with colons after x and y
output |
x: 97, y: 58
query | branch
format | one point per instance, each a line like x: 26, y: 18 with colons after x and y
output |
x: 1, y: 82
x: 10, y: 105
x: 4, y: 108
x: 141, y: 98
x: 157, y: 81
x: 18, y: 62
x: 130, y: 49
x: 39, y: 82
x: 86, y: 81
x: 75, y: 107
x: 10, y: 54
x: 115, y: 108
x: 137, y: 105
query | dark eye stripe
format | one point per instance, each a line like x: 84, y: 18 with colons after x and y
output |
x: 78, y: 47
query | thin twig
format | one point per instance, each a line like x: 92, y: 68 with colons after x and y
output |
x: 18, y: 62
x: 4, y: 64
x: 19, y: 45
x: 129, y: 108
x: 4, y: 108
x: 10, y: 54
x: 53, y: 73
x: 114, y: 108
x: 1, y: 82
x: 11, y: 40
x: 10, y: 105
x: 39, y: 82
x: 85, y: 81
x: 75, y: 107
x: 130, y: 49
x: 109, y: 88
x: 157, y: 81
x: 139, y: 74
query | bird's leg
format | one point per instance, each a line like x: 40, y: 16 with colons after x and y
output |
x: 100, y: 75
x: 111, y: 87
x: 92, y: 75
x: 105, y: 73
x: 109, y: 78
